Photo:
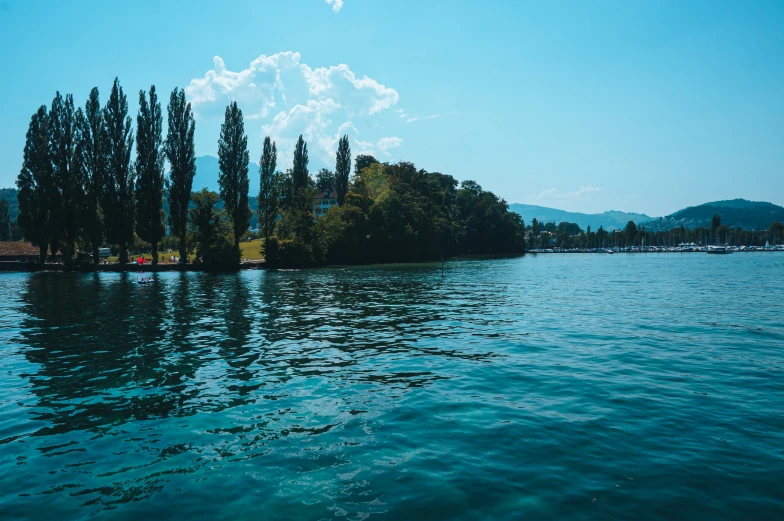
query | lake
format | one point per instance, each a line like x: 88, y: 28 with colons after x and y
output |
x: 562, y: 387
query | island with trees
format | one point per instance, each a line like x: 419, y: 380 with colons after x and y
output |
x: 90, y: 180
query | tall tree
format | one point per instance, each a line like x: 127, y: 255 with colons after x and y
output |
x: 631, y: 233
x: 233, y: 159
x: 715, y: 223
x: 5, y: 220
x: 36, y: 184
x: 118, y: 186
x: 149, y: 171
x: 342, y: 169
x: 268, y: 188
x: 92, y: 157
x: 299, y: 174
x: 181, y: 154
x: 66, y: 171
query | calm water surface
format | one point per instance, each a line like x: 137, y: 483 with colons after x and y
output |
x: 551, y: 387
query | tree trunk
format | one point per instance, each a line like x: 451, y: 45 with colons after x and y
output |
x: 96, y: 255
x: 183, y: 255
x: 42, y: 253
x: 123, y: 253
x: 154, y: 253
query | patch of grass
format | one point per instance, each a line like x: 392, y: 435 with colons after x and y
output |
x: 251, y: 250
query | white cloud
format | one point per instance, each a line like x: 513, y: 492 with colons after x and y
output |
x: 290, y: 98
x: 368, y: 147
x: 583, y: 192
x: 385, y: 143
x: 408, y: 118
x: 337, y: 5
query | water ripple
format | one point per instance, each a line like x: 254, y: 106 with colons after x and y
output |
x: 550, y: 387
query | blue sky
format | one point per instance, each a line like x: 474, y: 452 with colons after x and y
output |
x: 584, y: 106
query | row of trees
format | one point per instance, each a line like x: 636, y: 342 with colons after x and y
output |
x: 569, y: 235
x: 78, y: 183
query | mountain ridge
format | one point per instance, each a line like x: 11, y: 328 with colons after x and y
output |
x: 610, y: 220
x: 736, y: 213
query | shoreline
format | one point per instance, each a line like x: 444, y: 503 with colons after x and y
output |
x: 659, y: 250
x: 16, y: 266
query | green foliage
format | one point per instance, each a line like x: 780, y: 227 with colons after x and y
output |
x: 363, y: 161
x: 91, y: 149
x: 5, y: 220
x: 233, y: 160
x: 396, y: 213
x: 12, y: 196
x: 631, y: 231
x: 212, y: 233
x: 268, y: 188
x: 118, y: 196
x: 325, y: 180
x: 299, y: 173
x: 36, y: 184
x: 68, y: 196
x: 16, y: 232
x: 149, y: 172
x: 294, y: 253
x: 342, y: 169
x: 180, y: 151
x: 343, y: 232
x: 271, y: 248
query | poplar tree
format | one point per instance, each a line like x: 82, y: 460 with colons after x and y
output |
x: 268, y: 193
x: 66, y: 171
x: 92, y: 157
x: 233, y: 159
x: 149, y: 171
x: 118, y: 187
x: 180, y: 152
x: 299, y: 174
x: 36, y: 184
x: 342, y: 169
x: 5, y: 220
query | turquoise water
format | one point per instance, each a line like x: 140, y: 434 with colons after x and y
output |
x: 552, y: 387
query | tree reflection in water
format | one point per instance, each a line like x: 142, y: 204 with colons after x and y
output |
x: 138, y: 387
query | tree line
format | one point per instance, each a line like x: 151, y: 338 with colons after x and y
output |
x: 80, y: 184
x: 570, y: 235
x: 81, y: 187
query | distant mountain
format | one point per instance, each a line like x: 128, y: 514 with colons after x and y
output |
x: 749, y: 215
x: 207, y: 172
x: 611, y: 220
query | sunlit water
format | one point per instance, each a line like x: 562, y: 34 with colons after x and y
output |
x: 551, y: 387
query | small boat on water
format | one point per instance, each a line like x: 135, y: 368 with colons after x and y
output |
x: 145, y: 281
x: 719, y: 250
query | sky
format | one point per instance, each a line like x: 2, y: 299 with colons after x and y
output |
x: 583, y: 106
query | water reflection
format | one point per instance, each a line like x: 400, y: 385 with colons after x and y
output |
x: 252, y: 359
x: 502, y: 390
